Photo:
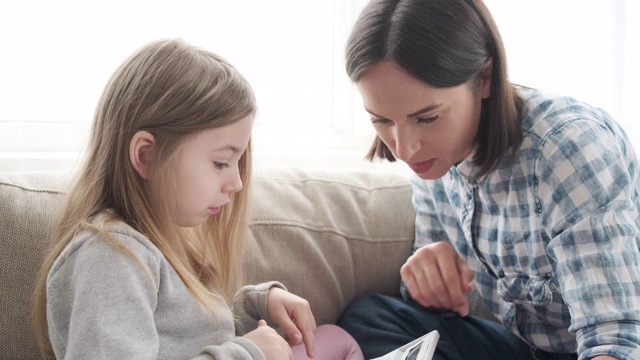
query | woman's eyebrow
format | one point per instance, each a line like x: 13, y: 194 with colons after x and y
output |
x: 425, y: 109
x: 420, y: 111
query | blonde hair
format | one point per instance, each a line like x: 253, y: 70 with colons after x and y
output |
x: 172, y: 90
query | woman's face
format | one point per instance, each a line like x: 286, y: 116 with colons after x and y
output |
x: 429, y: 128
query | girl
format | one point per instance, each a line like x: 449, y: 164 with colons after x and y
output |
x: 531, y: 198
x: 146, y: 258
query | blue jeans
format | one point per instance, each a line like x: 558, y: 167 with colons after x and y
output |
x: 382, y: 323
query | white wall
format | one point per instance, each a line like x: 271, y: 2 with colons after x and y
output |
x: 57, y: 56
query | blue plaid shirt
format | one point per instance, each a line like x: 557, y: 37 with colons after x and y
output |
x: 551, y: 234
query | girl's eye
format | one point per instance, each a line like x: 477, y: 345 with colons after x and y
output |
x: 428, y: 120
x: 220, y: 165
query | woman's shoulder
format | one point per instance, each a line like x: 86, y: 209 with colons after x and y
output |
x: 549, y: 115
x: 564, y: 133
x: 547, y: 110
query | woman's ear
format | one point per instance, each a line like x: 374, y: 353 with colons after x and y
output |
x: 141, y: 150
x: 485, y: 79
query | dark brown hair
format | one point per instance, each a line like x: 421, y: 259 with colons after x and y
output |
x: 443, y: 43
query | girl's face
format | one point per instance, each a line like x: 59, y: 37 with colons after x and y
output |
x: 429, y: 128
x: 207, y: 170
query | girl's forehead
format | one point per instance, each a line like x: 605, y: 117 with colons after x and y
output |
x: 231, y: 138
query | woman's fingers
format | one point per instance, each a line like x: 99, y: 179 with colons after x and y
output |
x: 436, y: 276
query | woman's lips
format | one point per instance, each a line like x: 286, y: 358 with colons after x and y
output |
x: 215, y: 210
x: 422, y: 167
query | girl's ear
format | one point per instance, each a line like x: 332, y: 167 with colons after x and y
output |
x: 485, y: 80
x: 141, y: 153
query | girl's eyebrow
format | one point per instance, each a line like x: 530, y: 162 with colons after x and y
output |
x: 420, y: 111
x: 227, y: 148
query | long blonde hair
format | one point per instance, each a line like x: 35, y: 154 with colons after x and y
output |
x: 172, y: 90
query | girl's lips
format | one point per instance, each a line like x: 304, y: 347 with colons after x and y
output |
x: 422, y: 167
x: 215, y: 210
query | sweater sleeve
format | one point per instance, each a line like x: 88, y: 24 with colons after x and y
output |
x: 250, y: 305
x: 237, y: 349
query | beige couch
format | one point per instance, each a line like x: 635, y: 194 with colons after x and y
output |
x: 328, y: 235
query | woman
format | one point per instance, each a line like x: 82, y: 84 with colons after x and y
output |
x: 527, y: 197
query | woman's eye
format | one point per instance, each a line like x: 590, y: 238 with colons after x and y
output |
x: 428, y: 120
x: 380, y: 121
x: 220, y: 165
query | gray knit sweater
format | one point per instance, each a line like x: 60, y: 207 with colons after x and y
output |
x: 101, y: 304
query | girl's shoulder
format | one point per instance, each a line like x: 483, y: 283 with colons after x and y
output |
x: 112, y: 242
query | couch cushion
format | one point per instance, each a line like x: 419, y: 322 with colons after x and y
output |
x: 27, y: 203
x: 330, y: 236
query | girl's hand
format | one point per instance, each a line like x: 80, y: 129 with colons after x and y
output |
x: 436, y: 276
x: 293, y: 314
x: 270, y: 342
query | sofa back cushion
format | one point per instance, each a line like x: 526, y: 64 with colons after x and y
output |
x: 28, y: 202
x: 329, y: 236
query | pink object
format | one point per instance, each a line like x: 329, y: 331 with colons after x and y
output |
x: 331, y: 343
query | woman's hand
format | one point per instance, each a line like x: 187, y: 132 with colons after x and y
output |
x: 293, y: 314
x: 436, y: 276
x: 270, y: 342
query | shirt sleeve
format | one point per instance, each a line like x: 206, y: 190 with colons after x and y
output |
x: 588, y: 196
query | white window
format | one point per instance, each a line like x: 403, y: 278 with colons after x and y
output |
x: 588, y: 49
x: 57, y: 57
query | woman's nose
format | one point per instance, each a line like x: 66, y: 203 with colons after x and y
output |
x: 408, y: 143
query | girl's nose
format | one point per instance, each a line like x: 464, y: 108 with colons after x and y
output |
x: 234, y: 184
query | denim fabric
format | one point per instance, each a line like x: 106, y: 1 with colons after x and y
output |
x: 382, y: 323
